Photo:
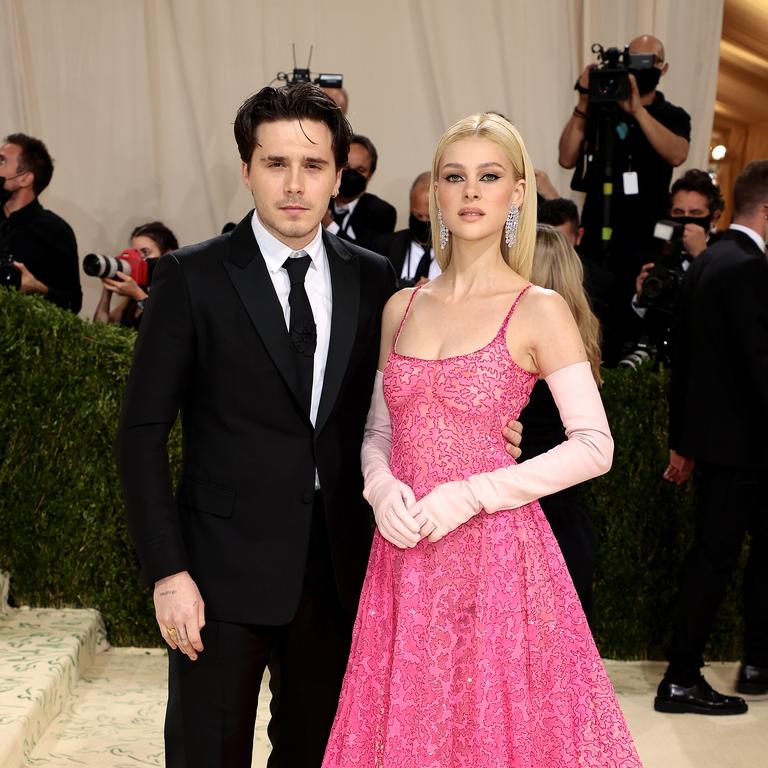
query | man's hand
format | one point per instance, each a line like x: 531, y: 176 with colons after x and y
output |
x: 124, y: 285
x: 679, y: 469
x: 29, y: 283
x: 632, y: 104
x: 544, y: 185
x: 640, y: 279
x: 513, y: 434
x: 694, y: 239
x: 180, y: 613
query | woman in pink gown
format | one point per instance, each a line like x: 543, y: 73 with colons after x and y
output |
x: 470, y: 647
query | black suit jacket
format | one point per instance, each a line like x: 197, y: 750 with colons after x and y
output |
x: 719, y: 388
x: 371, y: 218
x: 213, y: 345
x: 396, y: 248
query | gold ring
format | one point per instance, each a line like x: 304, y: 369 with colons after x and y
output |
x: 171, y: 631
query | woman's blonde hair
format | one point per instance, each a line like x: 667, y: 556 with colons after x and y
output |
x: 558, y: 267
x: 496, y: 128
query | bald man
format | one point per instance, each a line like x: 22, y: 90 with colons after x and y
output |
x: 651, y: 137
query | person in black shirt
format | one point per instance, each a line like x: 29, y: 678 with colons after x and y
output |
x: 43, y: 244
x: 651, y: 138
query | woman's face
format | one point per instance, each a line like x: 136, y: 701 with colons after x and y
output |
x: 476, y: 187
x: 146, y: 246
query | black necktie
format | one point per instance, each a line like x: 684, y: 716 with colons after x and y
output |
x: 339, y: 216
x: 424, y: 263
x: 303, y: 331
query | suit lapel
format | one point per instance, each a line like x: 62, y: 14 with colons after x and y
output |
x: 345, y: 286
x: 250, y: 277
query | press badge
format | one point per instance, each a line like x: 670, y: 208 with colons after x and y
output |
x: 630, y: 183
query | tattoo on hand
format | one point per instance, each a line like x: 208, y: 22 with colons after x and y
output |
x: 168, y: 592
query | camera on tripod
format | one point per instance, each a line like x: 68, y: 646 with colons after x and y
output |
x: 609, y: 80
x: 299, y: 75
x: 130, y: 262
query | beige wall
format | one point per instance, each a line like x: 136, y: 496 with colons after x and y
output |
x: 135, y: 98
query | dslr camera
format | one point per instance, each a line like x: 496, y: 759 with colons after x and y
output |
x: 664, y: 280
x: 130, y: 262
x: 609, y: 80
x: 10, y: 276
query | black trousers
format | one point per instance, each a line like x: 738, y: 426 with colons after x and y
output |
x: 212, y: 701
x: 572, y: 525
x: 731, y: 502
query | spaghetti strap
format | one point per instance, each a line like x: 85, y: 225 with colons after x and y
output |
x: 520, y: 295
x: 405, y: 314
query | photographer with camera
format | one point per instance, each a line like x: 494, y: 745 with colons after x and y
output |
x: 721, y: 367
x: 623, y: 137
x: 148, y: 242
x: 38, y: 250
x: 410, y: 250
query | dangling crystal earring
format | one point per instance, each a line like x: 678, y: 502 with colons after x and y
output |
x: 510, y: 228
x: 443, y: 230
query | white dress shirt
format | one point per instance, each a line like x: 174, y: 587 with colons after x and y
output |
x: 334, y: 228
x: 317, y: 283
x: 411, y: 263
x: 757, y: 239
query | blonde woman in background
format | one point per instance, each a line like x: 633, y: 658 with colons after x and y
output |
x: 557, y: 266
x: 470, y: 648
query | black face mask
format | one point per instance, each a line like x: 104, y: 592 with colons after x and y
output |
x: 705, y: 222
x: 647, y: 79
x: 353, y: 184
x: 420, y: 230
x: 5, y: 194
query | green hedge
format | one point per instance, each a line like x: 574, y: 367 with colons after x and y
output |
x: 62, y: 532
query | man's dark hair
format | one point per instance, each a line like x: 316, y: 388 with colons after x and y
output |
x: 364, y: 141
x: 159, y: 234
x: 558, y: 212
x: 34, y: 158
x: 300, y: 101
x: 751, y: 188
x: 699, y: 181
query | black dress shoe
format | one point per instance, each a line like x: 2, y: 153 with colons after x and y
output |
x: 752, y: 680
x: 700, y: 699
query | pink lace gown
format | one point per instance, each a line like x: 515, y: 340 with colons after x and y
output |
x: 472, y: 652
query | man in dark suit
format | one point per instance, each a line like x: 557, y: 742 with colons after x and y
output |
x: 721, y: 367
x: 410, y: 250
x: 355, y: 214
x: 266, y: 340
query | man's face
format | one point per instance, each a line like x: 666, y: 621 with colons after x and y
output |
x: 9, y: 168
x: 292, y: 175
x: 573, y: 233
x: 360, y: 160
x: 687, y: 203
x: 420, y: 203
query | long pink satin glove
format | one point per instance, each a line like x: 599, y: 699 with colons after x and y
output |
x: 389, y: 497
x: 587, y: 453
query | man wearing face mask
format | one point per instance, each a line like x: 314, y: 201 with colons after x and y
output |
x: 721, y: 367
x: 696, y: 203
x: 410, y: 250
x: 651, y: 137
x: 355, y: 214
x: 42, y: 244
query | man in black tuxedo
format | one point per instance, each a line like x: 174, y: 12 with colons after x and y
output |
x: 266, y: 340
x: 355, y: 214
x: 721, y: 367
x: 410, y: 250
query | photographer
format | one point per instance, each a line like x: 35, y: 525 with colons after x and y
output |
x: 649, y: 135
x: 39, y: 247
x: 721, y: 367
x: 410, y: 250
x: 152, y: 240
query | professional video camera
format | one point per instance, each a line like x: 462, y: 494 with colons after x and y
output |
x: 609, y: 80
x: 130, y: 262
x: 660, y: 288
x: 304, y: 76
x: 10, y: 276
